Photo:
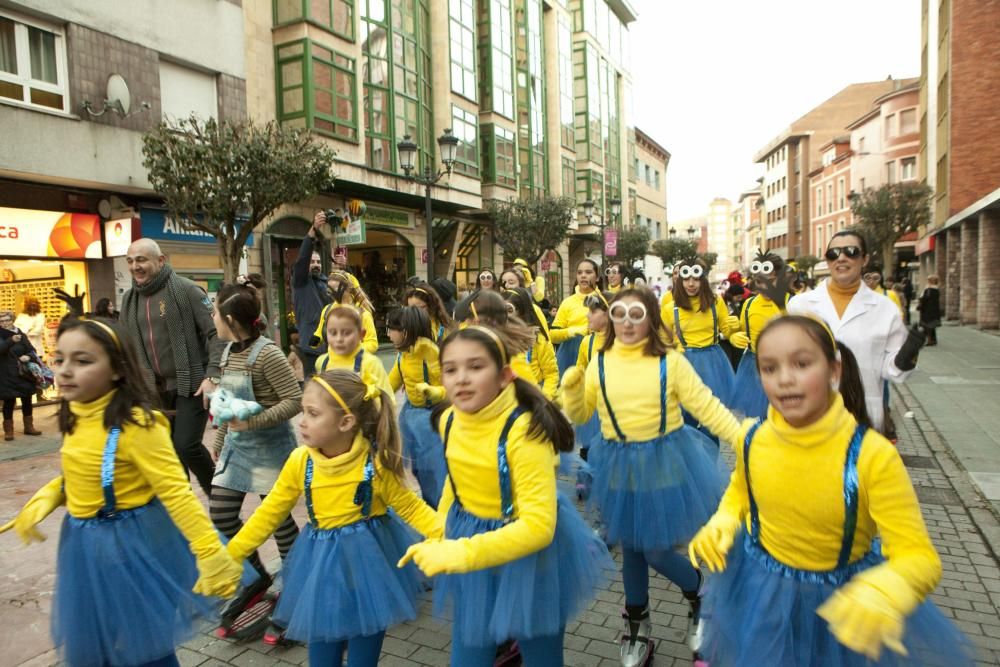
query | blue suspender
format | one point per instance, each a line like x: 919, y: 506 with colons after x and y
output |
x: 590, y: 347
x: 427, y: 379
x: 607, y: 403
x: 108, y: 473
x: 663, y: 394
x: 362, y: 496
x: 850, y: 492
x: 528, y: 353
x: 503, y: 465
x: 358, y: 358
x: 746, y: 309
x: 308, y: 489
x: 677, y: 326
x: 715, y: 326
x: 402, y: 378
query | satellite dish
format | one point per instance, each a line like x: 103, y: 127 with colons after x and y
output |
x: 104, y: 208
x: 118, y: 94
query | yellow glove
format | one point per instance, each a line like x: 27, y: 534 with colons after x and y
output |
x: 581, y: 330
x: 42, y: 504
x: 713, y: 541
x: 731, y: 322
x: 434, y: 557
x: 218, y: 574
x: 572, y: 380
x: 869, y: 611
x: 739, y: 339
x: 435, y: 393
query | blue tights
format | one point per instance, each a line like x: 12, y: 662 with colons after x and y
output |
x: 361, y: 652
x: 538, y: 652
x: 669, y: 563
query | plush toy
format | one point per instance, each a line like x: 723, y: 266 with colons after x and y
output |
x: 225, y: 407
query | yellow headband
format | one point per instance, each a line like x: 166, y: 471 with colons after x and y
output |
x: 421, y: 290
x: 472, y: 307
x: 108, y: 330
x: 496, y: 339
x: 333, y: 392
x: 826, y: 328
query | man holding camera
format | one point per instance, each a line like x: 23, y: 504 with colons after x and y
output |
x: 309, y: 292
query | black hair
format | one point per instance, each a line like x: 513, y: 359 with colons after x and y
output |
x: 102, y: 307
x: 597, y: 271
x: 593, y: 301
x: 496, y: 279
x: 413, y: 322
x: 705, y: 295
x: 660, y: 338
x: 435, y: 307
x: 856, y: 233
x: 524, y: 308
x: 132, y: 391
x: 851, y: 386
x: 547, y: 420
x: 376, y: 420
x: 522, y: 280
x: 240, y: 302
x: 487, y: 308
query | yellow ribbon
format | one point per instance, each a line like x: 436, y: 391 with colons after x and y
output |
x: 108, y: 330
x: 496, y: 339
x: 333, y: 392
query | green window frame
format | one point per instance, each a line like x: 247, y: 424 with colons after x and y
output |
x: 465, y: 126
x: 568, y: 177
x: 532, y: 141
x: 335, y: 16
x: 566, y: 101
x: 498, y: 156
x: 496, y: 55
x: 462, y: 33
x: 316, y: 89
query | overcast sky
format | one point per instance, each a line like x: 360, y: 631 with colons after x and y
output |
x: 715, y: 80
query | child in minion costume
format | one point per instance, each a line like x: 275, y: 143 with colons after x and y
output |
x: 348, y: 289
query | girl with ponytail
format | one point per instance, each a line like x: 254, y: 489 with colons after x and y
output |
x: 342, y: 589
x: 816, y: 499
x: 250, y: 453
x: 518, y: 561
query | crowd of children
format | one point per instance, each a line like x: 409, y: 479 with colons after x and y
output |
x: 836, y: 576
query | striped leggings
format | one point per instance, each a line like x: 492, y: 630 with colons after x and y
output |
x: 224, y: 507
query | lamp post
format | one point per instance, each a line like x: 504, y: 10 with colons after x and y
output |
x: 615, y: 205
x: 672, y: 232
x: 448, y: 143
x: 691, y: 232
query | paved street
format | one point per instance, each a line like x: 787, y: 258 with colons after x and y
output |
x: 946, y: 426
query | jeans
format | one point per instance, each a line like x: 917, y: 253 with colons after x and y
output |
x: 538, y: 652
x: 309, y: 357
x: 361, y: 652
x: 669, y: 563
x: 187, y: 428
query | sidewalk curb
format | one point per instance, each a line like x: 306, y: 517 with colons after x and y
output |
x: 982, y: 511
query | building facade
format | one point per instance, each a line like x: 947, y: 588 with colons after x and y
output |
x: 959, y: 154
x: 650, y: 192
x: 79, y: 84
x: 830, y: 202
x: 746, y: 227
x: 719, y: 233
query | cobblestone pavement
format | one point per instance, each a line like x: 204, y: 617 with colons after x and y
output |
x: 961, y: 522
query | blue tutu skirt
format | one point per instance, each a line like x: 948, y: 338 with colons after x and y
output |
x: 757, y: 612
x: 343, y: 582
x: 714, y: 369
x: 533, y: 596
x: 567, y: 353
x: 123, y: 589
x: 423, y: 447
x: 748, y: 393
x: 656, y: 494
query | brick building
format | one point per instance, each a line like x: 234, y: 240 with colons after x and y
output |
x: 959, y: 154
x: 746, y: 226
x: 830, y: 209
x: 650, y: 194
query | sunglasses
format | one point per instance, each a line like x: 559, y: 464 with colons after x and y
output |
x: 852, y: 252
x: 633, y: 312
x: 691, y: 272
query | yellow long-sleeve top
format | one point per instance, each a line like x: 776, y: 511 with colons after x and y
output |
x: 522, y: 367
x: 593, y: 341
x: 408, y: 371
x: 334, y: 483
x: 570, y: 319
x: 146, y: 465
x: 633, y: 381
x: 472, y: 464
x: 805, y: 530
x: 891, y: 294
x: 372, y: 370
x: 697, y: 326
x: 758, y: 311
x: 370, y: 340
x: 544, y: 369
x: 667, y: 299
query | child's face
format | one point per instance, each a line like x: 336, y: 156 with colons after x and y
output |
x: 322, y: 419
x: 470, y: 376
x: 510, y: 280
x: 397, y: 337
x: 597, y: 319
x: 83, y: 369
x: 586, y: 277
x: 796, y: 375
x: 417, y: 302
x: 342, y: 334
x: 630, y: 319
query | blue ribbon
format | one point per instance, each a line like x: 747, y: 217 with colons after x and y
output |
x: 358, y: 358
x: 108, y: 473
x: 308, y: 490
x: 363, y: 494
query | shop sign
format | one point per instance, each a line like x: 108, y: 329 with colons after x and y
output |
x: 156, y: 224
x: 611, y: 242
x: 925, y: 244
x: 355, y: 234
x: 385, y: 217
x: 30, y: 233
x: 118, y: 236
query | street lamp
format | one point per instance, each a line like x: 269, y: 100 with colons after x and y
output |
x: 691, y: 232
x: 672, y: 232
x: 407, y: 149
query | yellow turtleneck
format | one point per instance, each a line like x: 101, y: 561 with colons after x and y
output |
x: 570, y: 319
x: 408, y: 372
x: 584, y: 356
x: 544, y: 369
x: 334, y: 483
x: 633, y: 381
x: 841, y: 296
x: 797, y: 476
x: 472, y: 464
x: 759, y: 312
x: 369, y: 342
x: 372, y: 370
x: 145, y: 466
x: 892, y: 296
x: 697, y: 325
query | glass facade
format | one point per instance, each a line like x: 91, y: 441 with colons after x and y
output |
x: 337, y: 16
x: 316, y: 89
x: 462, y: 33
x: 531, y: 140
x: 464, y: 126
x: 498, y: 156
x: 496, y: 57
x: 566, y: 83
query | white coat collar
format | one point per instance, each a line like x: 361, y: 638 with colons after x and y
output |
x: 863, y: 301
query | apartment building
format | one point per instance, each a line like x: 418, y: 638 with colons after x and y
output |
x: 719, y: 232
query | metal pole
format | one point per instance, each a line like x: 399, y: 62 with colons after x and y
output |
x: 430, y: 227
x: 604, y: 260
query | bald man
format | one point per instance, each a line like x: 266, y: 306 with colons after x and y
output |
x: 169, y: 319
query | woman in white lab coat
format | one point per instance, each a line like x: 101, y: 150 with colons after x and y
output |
x: 867, y: 322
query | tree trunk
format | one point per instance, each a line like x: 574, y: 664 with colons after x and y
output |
x: 888, y: 259
x: 229, y: 253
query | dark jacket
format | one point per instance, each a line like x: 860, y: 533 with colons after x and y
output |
x: 309, y: 294
x: 930, y: 305
x: 12, y: 385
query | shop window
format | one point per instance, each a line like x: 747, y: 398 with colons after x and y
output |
x: 32, y: 64
x: 337, y: 16
x: 464, y: 126
x: 463, y: 48
x: 317, y: 89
